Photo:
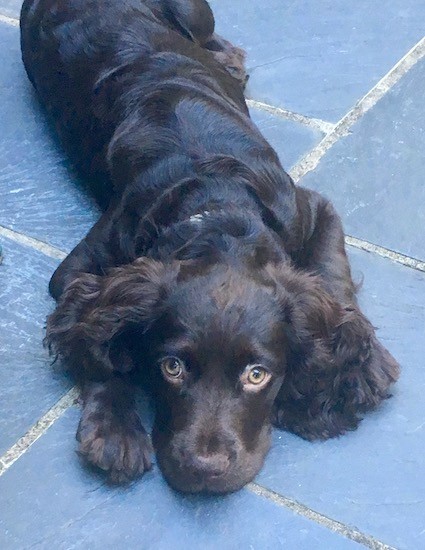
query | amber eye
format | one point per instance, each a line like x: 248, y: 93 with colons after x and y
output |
x: 172, y: 367
x: 255, y: 377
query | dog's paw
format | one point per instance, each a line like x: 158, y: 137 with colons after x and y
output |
x: 119, y: 446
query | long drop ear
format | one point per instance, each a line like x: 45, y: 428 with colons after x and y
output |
x: 88, y: 325
x: 337, y: 369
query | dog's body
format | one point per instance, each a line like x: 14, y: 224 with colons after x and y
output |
x: 207, y: 262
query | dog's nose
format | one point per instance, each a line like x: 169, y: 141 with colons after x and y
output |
x: 215, y: 464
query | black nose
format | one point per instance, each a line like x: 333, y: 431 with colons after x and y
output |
x: 215, y: 464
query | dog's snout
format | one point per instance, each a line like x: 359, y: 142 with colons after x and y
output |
x: 215, y: 464
x: 207, y: 458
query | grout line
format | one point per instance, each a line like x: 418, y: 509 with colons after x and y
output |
x: 41, y: 246
x: 310, y: 161
x: 385, y: 253
x: 333, y: 525
x: 56, y: 253
x: 315, y: 123
x: 39, y: 428
x: 9, y: 20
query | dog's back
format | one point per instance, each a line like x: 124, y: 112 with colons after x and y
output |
x: 132, y: 76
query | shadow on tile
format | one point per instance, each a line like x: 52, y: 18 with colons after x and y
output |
x: 39, y: 195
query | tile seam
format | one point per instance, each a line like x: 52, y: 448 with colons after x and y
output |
x: 310, y: 161
x: 333, y: 525
x: 314, y: 123
x: 69, y: 399
x: 395, y: 257
x: 36, y: 244
x: 37, y: 430
x: 387, y: 253
x: 12, y: 21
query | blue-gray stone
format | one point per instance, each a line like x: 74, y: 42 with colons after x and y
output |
x: 375, y: 175
x: 48, y: 500
x: 291, y: 140
x: 318, y: 57
x: 39, y: 195
x: 29, y: 385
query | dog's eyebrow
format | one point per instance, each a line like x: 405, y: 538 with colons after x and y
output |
x: 177, y: 346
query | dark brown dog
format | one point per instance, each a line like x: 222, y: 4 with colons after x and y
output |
x: 210, y: 272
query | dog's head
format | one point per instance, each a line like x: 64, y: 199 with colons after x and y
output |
x: 217, y: 343
x: 219, y: 356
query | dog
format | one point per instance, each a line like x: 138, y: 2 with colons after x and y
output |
x: 209, y: 272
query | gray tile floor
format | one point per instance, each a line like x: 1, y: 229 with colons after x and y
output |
x: 311, y: 64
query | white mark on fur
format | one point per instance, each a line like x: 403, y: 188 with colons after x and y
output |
x: 197, y: 218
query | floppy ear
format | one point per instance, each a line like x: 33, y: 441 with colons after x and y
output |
x: 336, y: 368
x: 89, y: 325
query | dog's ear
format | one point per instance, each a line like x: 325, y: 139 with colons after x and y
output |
x: 89, y: 326
x: 336, y: 368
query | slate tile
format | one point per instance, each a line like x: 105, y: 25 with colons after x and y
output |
x: 71, y: 508
x: 319, y: 57
x: 291, y: 140
x: 38, y: 194
x: 10, y: 8
x: 374, y: 176
x: 29, y: 386
x: 373, y: 478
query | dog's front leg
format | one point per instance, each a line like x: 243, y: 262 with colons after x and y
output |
x: 322, y: 248
x: 99, y: 250
x: 89, y: 256
x: 110, y: 433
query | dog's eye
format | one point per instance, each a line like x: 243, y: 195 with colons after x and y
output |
x: 172, y: 367
x: 255, y: 377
